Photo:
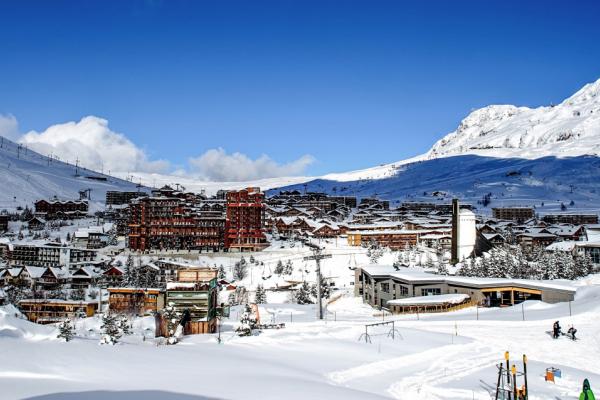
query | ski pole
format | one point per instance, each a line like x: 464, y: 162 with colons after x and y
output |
x: 525, y: 376
x: 514, y: 374
x: 507, y: 357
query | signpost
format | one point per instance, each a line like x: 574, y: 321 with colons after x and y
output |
x: 318, y: 256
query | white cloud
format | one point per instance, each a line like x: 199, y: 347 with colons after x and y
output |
x: 9, y: 127
x: 94, y: 144
x: 98, y: 147
x: 217, y: 165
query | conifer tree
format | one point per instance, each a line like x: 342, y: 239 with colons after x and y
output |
x: 125, y: 325
x: 66, y: 330
x: 247, y: 322
x: 303, y: 294
x: 110, y: 331
x: 442, y: 269
x: 240, y: 270
x: 289, y: 268
x: 172, y: 319
x: 261, y: 295
x: 325, y: 289
x: 221, y: 272
x: 279, y: 268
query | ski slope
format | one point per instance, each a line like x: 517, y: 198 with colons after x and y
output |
x: 27, y: 176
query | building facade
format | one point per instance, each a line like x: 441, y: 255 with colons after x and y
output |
x: 517, y: 214
x: 245, y: 224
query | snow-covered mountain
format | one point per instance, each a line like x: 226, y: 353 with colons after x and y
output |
x: 571, y: 128
x: 520, y: 155
x: 530, y: 146
x: 27, y: 176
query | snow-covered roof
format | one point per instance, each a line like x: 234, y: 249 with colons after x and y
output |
x: 567, y: 245
x: 454, y: 298
x: 35, y: 272
x: 180, y: 285
x: 418, y: 275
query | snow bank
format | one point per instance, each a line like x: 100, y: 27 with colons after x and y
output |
x: 14, y: 325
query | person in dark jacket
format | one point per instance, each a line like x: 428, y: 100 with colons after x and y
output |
x: 571, y: 333
x: 556, y: 330
x: 586, y: 393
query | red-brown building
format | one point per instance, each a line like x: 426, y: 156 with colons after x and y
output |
x: 56, y: 209
x: 170, y: 223
x: 245, y: 224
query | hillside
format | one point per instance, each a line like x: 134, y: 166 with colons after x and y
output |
x: 27, y: 176
x: 511, y: 181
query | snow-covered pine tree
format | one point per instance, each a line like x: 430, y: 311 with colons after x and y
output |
x: 429, y: 264
x: 583, y: 265
x: 303, y: 294
x: 442, y: 269
x: 288, y: 268
x: 549, y: 266
x: 110, y: 331
x: 247, y: 322
x: 399, y: 260
x: 240, y: 270
x: 66, y: 330
x: 465, y: 268
x: 221, y: 272
x: 374, y: 252
x: 279, y: 268
x: 77, y: 294
x: 325, y: 289
x: 565, y: 265
x: 125, y: 325
x: 172, y: 318
x: 496, y: 264
x: 131, y: 277
x: 260, y: 296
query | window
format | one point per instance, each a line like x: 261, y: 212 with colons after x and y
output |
x: 431, y: 291
x: 385, y: 287
x: 403, y: 290
x: 595, y: 255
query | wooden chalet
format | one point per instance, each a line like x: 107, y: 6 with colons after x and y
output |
x: 48, y: 311
x: 135, y: 301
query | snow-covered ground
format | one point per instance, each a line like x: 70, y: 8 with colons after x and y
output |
x: 432, y: 356
x: 439, y: 356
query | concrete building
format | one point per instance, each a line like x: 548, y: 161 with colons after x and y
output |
x: 378, y: 284
x: 518, y: 214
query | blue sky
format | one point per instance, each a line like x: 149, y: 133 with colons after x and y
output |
x: 351, y: 83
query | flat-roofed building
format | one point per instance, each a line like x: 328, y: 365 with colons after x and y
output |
x: 518, y: 214
x: 378, y: 284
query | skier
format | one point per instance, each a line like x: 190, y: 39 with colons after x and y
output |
x: 556, y: 330
x: 571, y: 333
x: 586, y: 393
